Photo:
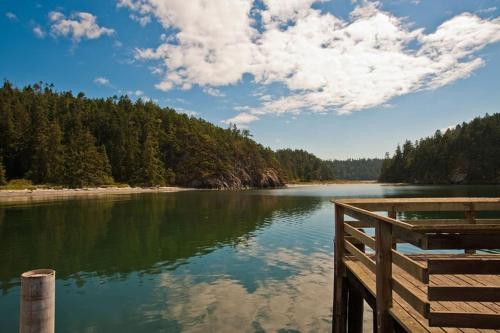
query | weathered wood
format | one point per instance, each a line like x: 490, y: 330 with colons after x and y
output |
x: 464, y: 294
x: 464, y: 319
x: 340, y: 287
x: 361, y: 236
x: 447, y: 221
x: 365, y: 215
x: 354, y: 311
x: 462, y: 241
x: 463, y: 285
x: 424, y: 204
x: 358, y: 254
x: 464, y: 266
x: 412, y: 267
x: 37, y: 301
x: 411, y: 296
x: 383, y: 255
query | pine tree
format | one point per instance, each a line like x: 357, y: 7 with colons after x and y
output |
x: 86, y: 164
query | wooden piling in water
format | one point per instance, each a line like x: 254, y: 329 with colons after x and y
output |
x: 37, y: 301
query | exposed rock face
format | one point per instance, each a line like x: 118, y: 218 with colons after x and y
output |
x: 240, y: 179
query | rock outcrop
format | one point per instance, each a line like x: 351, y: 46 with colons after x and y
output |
x: 240, y: 179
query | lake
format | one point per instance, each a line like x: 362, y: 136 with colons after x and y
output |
x: 194, y: 261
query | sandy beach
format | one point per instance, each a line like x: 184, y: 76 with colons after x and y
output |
x: 28, y: 195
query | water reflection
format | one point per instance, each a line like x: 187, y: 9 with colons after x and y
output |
x: 109, y: 236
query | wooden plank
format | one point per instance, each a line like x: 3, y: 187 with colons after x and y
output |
x: 408, y: 236
x: 362, y: 257
x: 449, y: 221
x: 365, y: 215
x: 464, y: 319
x: 383, y: 255
x: 464, y: 266
x: 424, y: 204
x: 410, y: 296
x: 458, y: 228
x: 464, y: 294
x: 412, y: 267
x: 359, y: 235
x: 340, y: 287
x: 462, y: 241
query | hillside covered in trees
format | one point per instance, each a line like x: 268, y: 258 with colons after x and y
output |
x: 58, y: 138
x: 467, y: 154
x: 358, y: 169
x: 300, y: 165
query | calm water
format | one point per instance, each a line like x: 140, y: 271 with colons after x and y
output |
x: 201, y: 261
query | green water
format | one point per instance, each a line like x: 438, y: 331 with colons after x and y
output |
x: 201, y: 261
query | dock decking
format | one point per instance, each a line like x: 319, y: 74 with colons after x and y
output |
x: 447, y: 291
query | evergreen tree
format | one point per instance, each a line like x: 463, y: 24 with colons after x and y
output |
x: 469, y: 153
x: 86, y: 164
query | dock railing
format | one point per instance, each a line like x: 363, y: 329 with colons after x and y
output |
x: 396, y: 284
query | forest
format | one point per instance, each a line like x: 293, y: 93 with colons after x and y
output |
x: 466, y: 154
x: 57, y: 138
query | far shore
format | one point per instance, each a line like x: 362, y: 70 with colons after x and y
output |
x: 40, y: 194
x: 330, y: 182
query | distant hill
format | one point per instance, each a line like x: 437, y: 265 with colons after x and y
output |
x: 467, y: 154
x: 57, y: 138
x: 54, y: 137
x: 300, y: 165
x: 358, y: 169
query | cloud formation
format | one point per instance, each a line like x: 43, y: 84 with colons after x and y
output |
x: 102, y: 81
x: 38, y: 31
x: 11, y: 16
x: 78, y: 26
x: 325, y: 62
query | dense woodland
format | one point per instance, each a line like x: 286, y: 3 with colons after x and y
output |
x: 358, y: 169
x: 300, y: 165
x: 468, y: 154
x: 58, y: 138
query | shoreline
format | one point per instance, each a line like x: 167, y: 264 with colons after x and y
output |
x: 332, y: 182
x: 41, y: 194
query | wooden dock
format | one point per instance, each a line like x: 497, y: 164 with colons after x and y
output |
x: 456, y: 289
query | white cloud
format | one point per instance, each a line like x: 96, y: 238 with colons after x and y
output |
x: 39, y: 32
x: 242, y: 119
x: 325, y: 62
x: 102, y: 81
x: 78, y: 26
x: 142, y: 20
x: 11, y: 16
x: 213, y: 92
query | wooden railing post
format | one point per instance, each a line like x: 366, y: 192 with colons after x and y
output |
x: 383, y: 238
x: 393, y: 214
x: 38, y: 300
x: 470, y: 217
x: 355, y: 306
x: 339, y: 283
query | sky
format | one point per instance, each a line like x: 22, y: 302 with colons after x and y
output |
x: 339, y: 78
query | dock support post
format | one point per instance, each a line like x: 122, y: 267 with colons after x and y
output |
x: 355, y: 311
x: 383, y: 237
x: 37, y: 301
x: 339, y: 279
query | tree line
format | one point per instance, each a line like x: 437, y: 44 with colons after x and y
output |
x: 57, y: 138
x: 300, y: 165
x: 468, y: 154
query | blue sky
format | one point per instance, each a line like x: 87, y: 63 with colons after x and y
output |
x: 337, y: 78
